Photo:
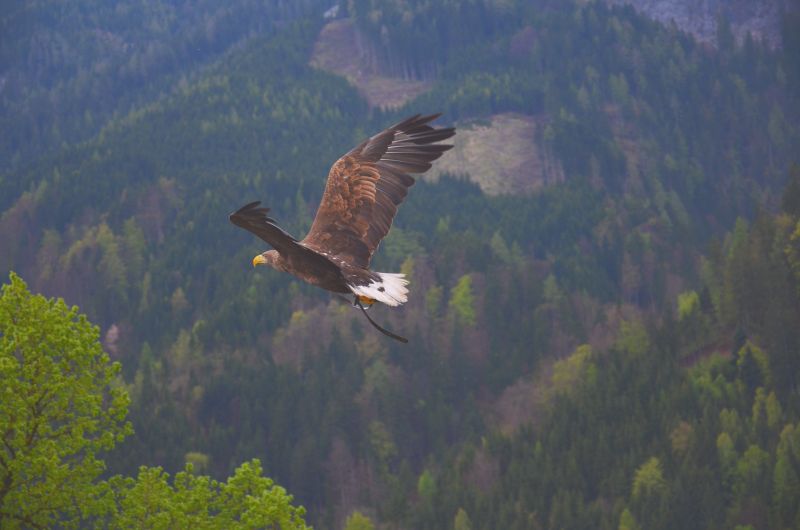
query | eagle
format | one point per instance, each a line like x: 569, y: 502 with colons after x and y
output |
x: 363, y: 191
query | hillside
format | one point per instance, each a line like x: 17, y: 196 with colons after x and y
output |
x: 604, y: 270
x: 67, y: 69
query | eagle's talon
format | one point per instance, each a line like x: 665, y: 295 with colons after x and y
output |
x: 366, y: 301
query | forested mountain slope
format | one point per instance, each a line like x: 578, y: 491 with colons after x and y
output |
x: 577, y: 353
x: 67, y: 68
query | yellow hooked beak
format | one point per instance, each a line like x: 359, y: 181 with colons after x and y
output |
x: 259, y: 260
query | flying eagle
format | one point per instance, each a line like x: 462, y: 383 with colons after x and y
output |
x: 361, y: 197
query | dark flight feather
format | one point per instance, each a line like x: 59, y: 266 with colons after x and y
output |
x: 254, y: 219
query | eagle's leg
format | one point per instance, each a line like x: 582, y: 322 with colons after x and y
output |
x: 365, y: 300
x: 382, y: 330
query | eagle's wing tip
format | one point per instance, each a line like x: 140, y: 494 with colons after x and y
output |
x: 237, y: 216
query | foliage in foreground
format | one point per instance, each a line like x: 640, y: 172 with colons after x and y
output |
x: 60, y: 406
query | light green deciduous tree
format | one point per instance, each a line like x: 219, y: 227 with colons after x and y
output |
x: 462, y: 302
x: 358, y: 521
x: 246, y: 500
x: 61, y: 406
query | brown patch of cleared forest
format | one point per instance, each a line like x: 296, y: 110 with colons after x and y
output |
x: 504, y: 155
x: 340, y: 50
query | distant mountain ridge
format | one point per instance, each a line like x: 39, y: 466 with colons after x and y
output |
x: 761, y: 18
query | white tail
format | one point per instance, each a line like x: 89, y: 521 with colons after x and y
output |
x: 390, y: 289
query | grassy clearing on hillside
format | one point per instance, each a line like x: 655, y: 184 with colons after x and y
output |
x: 504, y: 155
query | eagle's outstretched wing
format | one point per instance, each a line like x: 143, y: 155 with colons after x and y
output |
x: 366, y: 186
x: 254, y: 219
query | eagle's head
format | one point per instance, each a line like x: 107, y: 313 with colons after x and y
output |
x: 271, y: 258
